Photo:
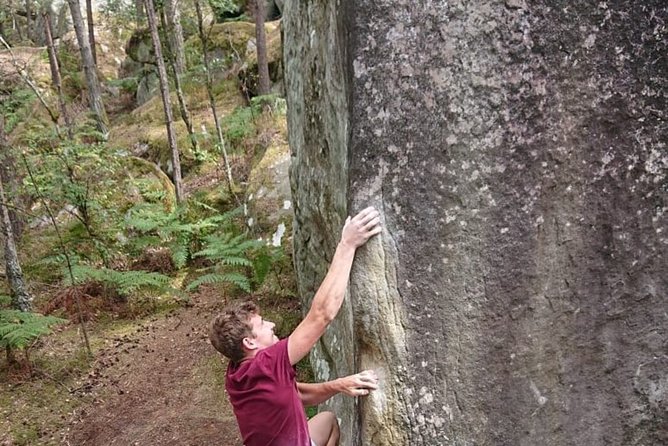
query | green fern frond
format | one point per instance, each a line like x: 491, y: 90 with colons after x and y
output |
x: 19, y: 329
x: 126, y: 282
x: 235, y: 278
x: 179, y: 252
x: 236, y: 261
x: 5, y: 300
x: 261, y: 266
x: 220, y: 247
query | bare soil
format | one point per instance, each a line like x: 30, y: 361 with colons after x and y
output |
x: 161, y: 385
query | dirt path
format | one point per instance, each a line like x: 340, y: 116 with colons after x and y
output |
x: 161, y: 385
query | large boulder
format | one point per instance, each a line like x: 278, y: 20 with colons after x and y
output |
x: 517, y: 152
x: 235, y: 41
x: 141, y: 64
x: 268, y: 199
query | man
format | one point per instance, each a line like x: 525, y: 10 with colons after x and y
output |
x: 260, y: 381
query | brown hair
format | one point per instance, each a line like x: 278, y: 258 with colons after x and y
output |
x: 230, y: 327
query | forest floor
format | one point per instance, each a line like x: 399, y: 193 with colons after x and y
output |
x: 161, y: 385
x: 153, y: 381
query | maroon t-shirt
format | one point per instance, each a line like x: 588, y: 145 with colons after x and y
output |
x: 263, y: 393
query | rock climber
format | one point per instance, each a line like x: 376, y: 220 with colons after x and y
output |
x: 260, y: 380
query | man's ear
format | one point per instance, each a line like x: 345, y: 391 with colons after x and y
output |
x: 249, y: 344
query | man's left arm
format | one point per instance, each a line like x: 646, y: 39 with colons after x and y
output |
x: 359, y: 384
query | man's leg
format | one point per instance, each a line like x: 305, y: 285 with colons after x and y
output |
x: 324, y: 429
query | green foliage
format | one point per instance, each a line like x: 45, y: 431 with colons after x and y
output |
x: 18, y: 329
x: 226, y: 9
x: 12, y: 105
x: 81, y: 183
x: 228, y: 252
x: 239, y: 124
x: 125, y: 282
x: 118, y: 13
x: 181, y: 230
x: 215, y: 238
x: 5, y: 301
x: 237, y: 279
x: 127, y: 84
x: 276, y: 103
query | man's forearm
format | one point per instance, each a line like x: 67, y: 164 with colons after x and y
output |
x: 317, y: 393
x: 329, y: 297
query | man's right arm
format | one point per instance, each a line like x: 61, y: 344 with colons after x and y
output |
x: 329, y: 297
x: 359, y: 384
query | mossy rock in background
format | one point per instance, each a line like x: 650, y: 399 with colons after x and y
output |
x: 225, y: 39
x: 268, y: 197
x: 140, y: 47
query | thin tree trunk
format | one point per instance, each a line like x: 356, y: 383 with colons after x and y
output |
x: 28, y: 20
x: 183, y: 107
x: 12, y: 185
x: 92, y: 83
x: 91, y: 29
x: 212, y: 98
x: 77, y: 296
x: 20, y: 297
x: 261, y: 45
x: 175, y: 36
x: 166, y: 102
x: 139, y: 11
x: 55, y: 73
x: 15, y: 26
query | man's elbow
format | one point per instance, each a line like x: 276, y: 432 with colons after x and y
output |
x: 321, y: 316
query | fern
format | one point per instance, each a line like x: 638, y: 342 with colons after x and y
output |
x: 125, y: 282
x: 174, y: 230
x: 229, y: 252
x: 237, y: 279
x: 5, y: 300
x: 19, y: 329
x: 227, y: 248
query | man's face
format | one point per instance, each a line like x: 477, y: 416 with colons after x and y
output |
x: 263, y: 331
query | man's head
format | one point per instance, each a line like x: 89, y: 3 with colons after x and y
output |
x: 239, y: 331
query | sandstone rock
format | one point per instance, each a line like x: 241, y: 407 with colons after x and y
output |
x: 517, y: 152
x: 269, y: 203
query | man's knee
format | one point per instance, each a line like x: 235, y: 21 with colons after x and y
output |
x: 324, y: 429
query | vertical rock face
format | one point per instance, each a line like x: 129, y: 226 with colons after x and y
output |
x: 517, y: 151
x: 314, y: 58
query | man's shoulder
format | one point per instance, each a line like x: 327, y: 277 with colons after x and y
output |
x: 270, y: 364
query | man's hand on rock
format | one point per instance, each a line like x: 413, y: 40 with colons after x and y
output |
x: 361, y: 227
x: 360, y: 384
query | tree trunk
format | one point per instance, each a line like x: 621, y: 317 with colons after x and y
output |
x: 175, y: 36
x: 183, y: 107
x: 20, y: 297
x: 28, y: 19
x: 264, y: 84
x: 212, y: 97
x: 139, y: 11
x: 55, y: 73
x: 91, y: 30
x: 92, y: 83
x: 16, y: 26
x: 12, y: 181
x: 166, y: 102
